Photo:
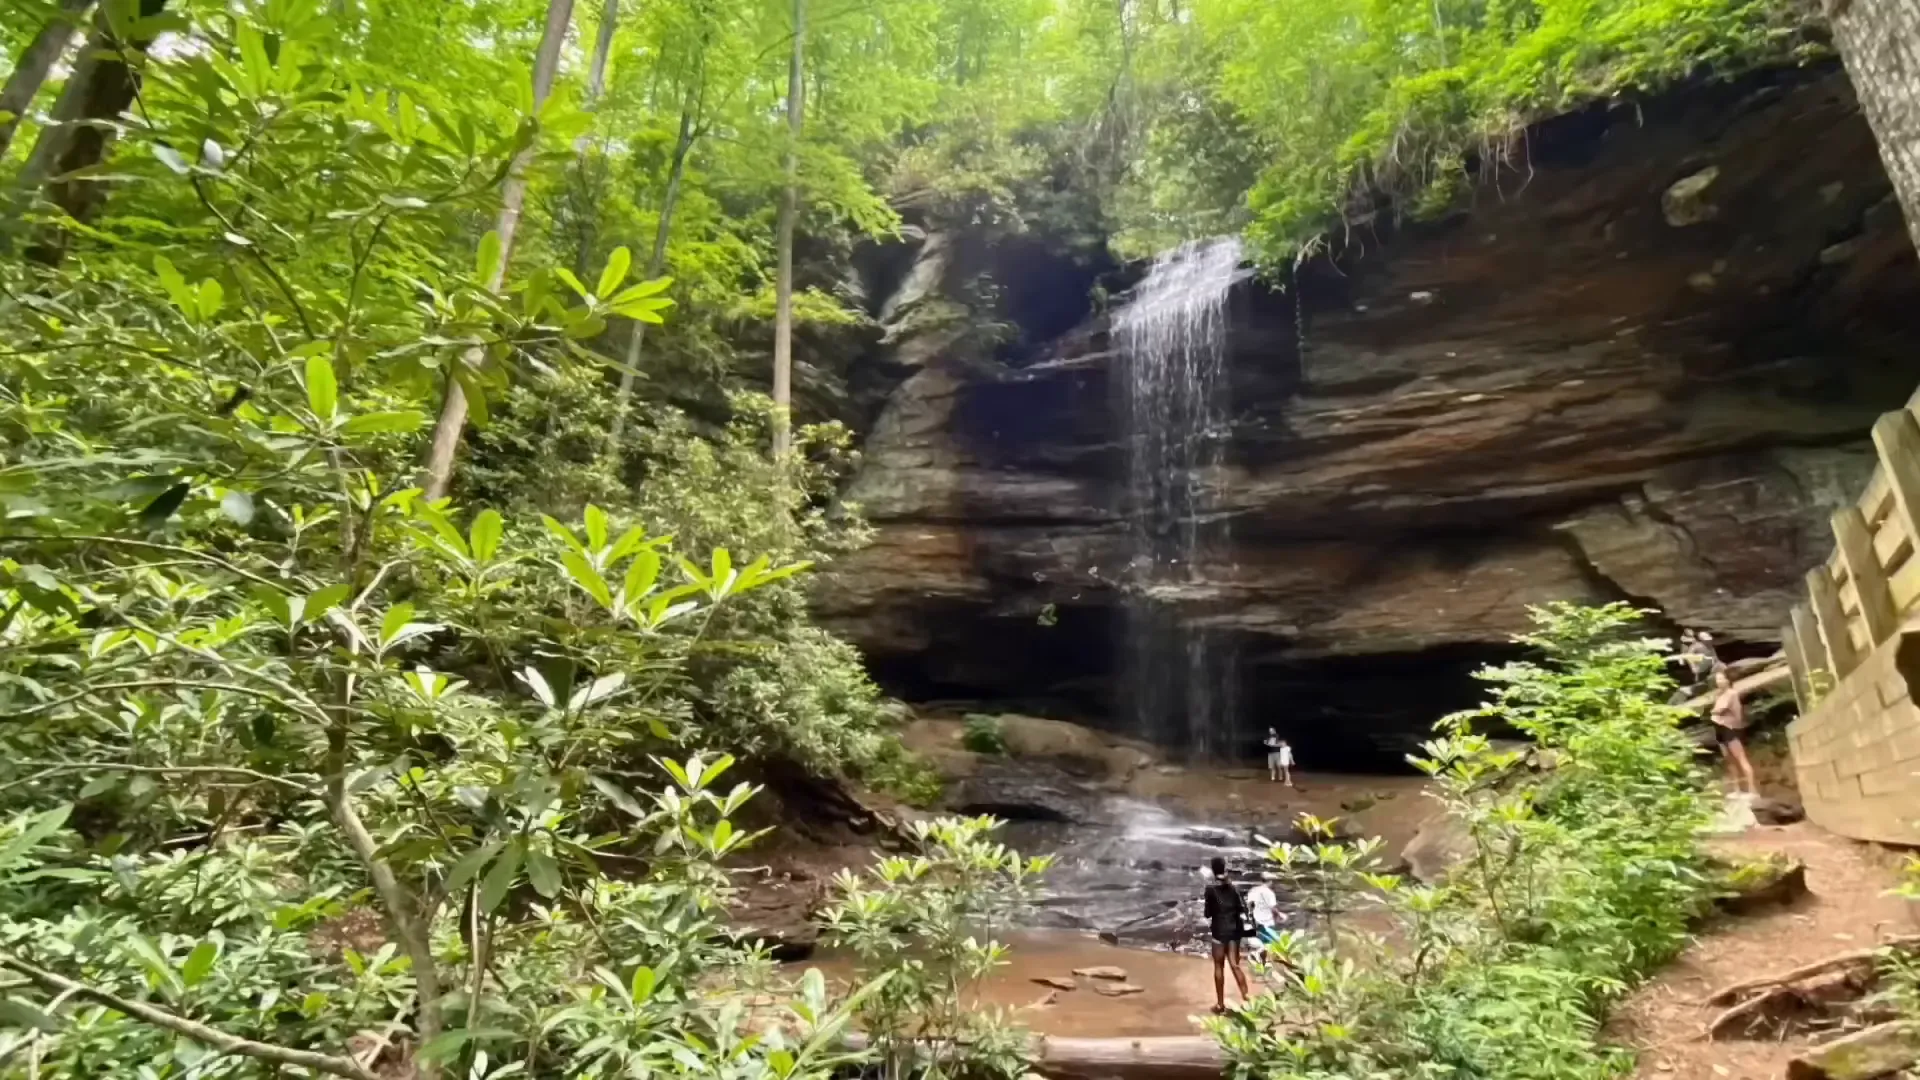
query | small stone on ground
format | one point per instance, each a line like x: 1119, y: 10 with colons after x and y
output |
x: 1117, y: 989
x: 1104, y: 971
x: 1057, y: 982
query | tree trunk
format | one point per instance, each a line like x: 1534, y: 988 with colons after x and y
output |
x: 1163, y: 1057
x: 100, y: 88
x: 453, y: 410
x: 1879, y: 40
x: 582, y: 143
x: 31, y: 67
x: 657, y: 262
x: 789, y: 210
x: 602, y: 52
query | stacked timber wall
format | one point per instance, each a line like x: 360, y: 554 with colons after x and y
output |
x: 1851, y: 645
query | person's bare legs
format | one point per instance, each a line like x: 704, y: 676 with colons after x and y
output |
x: 1742, y: 768
x: 1220, y: 977
x: 1286, y: 774
x: 1239, y: 974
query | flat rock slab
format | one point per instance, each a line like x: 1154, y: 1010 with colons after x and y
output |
x: 1057, y: 982
x: 1877, y: 1051
x: 1117, y: 989
x: 1105, y: 971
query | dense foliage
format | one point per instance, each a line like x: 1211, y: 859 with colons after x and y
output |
x: 1578, y: 876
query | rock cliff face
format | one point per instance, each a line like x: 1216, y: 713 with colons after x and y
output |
x: 1640, y: 366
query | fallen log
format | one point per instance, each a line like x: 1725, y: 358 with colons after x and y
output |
x: 1878, y: 1051
x: 1729, y: 995
x: 1162, y: 1057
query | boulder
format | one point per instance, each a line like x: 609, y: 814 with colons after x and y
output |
x: 1057, y: 982
x: 1440, y: 845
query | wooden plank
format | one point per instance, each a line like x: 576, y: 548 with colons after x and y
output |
x: 1854, y: 540
x: 1905, y: 583
x: 1896, y: 435
x: 1842, y: 657
x: 1876, y: 502
x: 1890, y: 543
x: 1797, y: 666
x: 1807, y: 632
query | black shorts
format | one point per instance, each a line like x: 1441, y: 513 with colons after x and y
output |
x: 1723, y: 734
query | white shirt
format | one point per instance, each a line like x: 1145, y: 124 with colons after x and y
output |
x: 1263, y: 903
x: 1286, y: 755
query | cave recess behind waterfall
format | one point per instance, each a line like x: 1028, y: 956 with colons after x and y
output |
x: 1639, y: 364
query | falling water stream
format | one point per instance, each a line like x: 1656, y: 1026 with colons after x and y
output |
x: 1179, y: 680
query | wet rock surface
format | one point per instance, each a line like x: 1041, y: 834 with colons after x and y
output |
x: 1641, y: 365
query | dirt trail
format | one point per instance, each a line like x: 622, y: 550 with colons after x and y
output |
x: 1848, y: 909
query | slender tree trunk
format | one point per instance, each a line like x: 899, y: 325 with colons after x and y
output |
x: 657, y: 262
x: 100, y: 88
x: 1879, y: 40
x: 789, y: 210
x: 31, y: 67
x: 453, y: 410
x: 583, y: 143
x: 602, y: 52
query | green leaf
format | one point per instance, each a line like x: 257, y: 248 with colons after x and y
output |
x: 476, y: 394
x: 618, y: 264
x: 642, y: 573
x: 468, y: 865
x: 585, y: 576
x: 485, y: 534
x: 544, y: 873
x: 444, y: 1046
x: 500, y: 878
x: 564, y: 534
x: 396, y: 618
x: 618, y: 796
x: 43, y: 825
x: 323, y: 394
x: 209, y: 299
x: 403, y: 420
x: 486, y: 263
x: 22, y: 1014
x: 644, y: 980
x: 596, y: 528
x: 573, y: 283
x: 323, y: 600
x: 199, y: 963
x: 170, y: 158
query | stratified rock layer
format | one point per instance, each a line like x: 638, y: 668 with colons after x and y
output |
x: 1641, y: 365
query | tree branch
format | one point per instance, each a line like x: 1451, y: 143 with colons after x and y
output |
x: 198, y: 1032
x: 53, y: 768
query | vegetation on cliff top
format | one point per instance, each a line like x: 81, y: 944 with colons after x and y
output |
x: 1286, y: 119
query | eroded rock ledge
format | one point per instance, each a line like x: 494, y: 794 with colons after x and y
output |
x: 1642, y: 365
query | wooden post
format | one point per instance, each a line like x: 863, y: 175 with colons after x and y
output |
x: 1814, y: 654
x: 1797, y: 665
x: 1855, y: 541
x: 1841, y: 656
x: 1897, y: 436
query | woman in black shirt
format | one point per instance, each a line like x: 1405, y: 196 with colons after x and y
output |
x: 1226, y: 913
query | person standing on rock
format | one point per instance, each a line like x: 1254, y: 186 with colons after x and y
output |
x: 1273, y: 742
x: 1226, y: 914
x: 1729, y: 726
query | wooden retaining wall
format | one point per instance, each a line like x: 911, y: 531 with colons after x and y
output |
x: 1856, y: 746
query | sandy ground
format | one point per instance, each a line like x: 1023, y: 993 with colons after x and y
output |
x: 1174, y: 989
x: 1848, y: 909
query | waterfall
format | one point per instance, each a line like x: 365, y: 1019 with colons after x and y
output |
x: 1178, y: 680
